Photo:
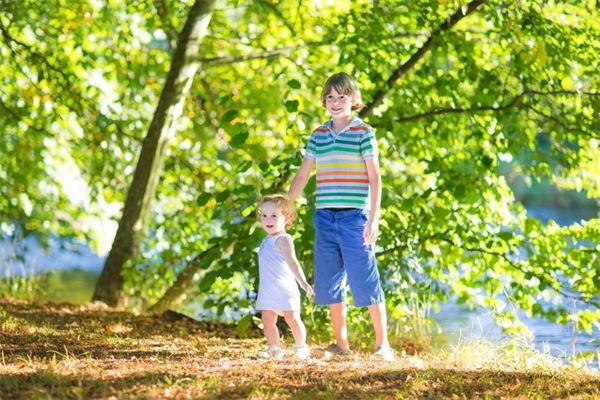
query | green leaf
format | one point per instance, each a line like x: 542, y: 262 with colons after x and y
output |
x: 248, y: 210
x: 246, y: 189
x: 506, y: 235
x: 568, y: 83
x: 292, y: 105
x: 239, y: 139
x: 224, y: 195
x: 228, y: 116
x: 244, y: 324
x: 244, y: 166
x: 203, y: 199
x: 264, y: 166
x: 294, y: 84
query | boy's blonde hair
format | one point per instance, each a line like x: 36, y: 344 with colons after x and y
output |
x: 284, y: 204
x: 343, y: 84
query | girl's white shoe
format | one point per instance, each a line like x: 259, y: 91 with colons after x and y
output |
x: 302, y: 352
x: 272, y: 353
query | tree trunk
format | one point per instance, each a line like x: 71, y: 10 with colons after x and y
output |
x: 132, y: 226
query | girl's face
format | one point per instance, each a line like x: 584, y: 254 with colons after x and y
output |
x: 339, y: 105
x: 271, y: 218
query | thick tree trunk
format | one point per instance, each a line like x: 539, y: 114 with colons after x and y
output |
x: 132, y: 226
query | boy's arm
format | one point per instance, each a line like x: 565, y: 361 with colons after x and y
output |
x: 300, y: 179
x: 372, y: 227
x: 286, y: 246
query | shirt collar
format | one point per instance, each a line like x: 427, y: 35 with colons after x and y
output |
x: 355, y: 121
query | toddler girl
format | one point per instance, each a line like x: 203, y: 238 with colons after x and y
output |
x: 279, y: 270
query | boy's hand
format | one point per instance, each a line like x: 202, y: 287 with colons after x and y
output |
x: 371, y: 232
x: 308, y: 289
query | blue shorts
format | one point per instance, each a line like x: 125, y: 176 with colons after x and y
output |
x: 341, y: 256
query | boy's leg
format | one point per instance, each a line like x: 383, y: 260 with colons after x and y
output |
x: 330, y: 276
x: 361, y: 266
x: 338, y: 319
x: 269, y: 319
x: 295, y: 323
x: 379, y: 320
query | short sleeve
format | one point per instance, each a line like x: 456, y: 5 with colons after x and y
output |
x: 310, y: 152
x: 368, y: 144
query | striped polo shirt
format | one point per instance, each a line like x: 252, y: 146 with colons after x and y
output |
x: 342, y: 179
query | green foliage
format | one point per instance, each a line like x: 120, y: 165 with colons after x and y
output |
x: 511, y: 82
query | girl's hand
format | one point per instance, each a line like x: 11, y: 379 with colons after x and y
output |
x: 371, y: 232
x: 307, y: 288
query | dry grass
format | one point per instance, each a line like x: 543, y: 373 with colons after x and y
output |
x: 66, y: 351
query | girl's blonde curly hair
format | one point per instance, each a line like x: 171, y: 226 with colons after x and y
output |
x: 283, y: 203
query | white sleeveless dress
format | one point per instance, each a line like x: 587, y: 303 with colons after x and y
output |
x: 277, y: 287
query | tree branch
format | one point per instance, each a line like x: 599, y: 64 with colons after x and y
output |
x: 202, y: 262
x: 17, y: 117
x: 562, y: 124
x: 408, y: 65
x: 515, y: 101
x: 473, y: 110
x: 34, y: 57
x: 515, y: 266
x: 400, y: 247
x: 267, y: 54
x: 278, y: 13
x: 188, y: 276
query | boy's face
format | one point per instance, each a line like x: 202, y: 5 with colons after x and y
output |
x: 338, y: 105
x: 271, y: 218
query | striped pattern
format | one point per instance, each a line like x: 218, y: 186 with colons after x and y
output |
x: 342, y: 179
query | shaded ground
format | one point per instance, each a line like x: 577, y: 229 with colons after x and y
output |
x: 66, y: 351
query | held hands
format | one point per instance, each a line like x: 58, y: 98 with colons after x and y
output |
x: 371, y: 232
x: 307, y: 288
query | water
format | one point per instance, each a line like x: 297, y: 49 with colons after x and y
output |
x: 461, y: 325
x: 73, y: 268
x: 29, y: 257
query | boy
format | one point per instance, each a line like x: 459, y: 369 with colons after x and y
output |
x: 344, y: 151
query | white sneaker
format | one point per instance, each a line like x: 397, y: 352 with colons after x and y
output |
x: 385, y: 353
x: 272, y: 353
x: 302, y: 352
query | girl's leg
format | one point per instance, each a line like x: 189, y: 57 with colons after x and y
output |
x: 338, y: 318
x: 299, y: 331
x: 295, y: 323
x: 269, y: 319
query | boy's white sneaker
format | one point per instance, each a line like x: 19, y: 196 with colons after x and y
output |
x: 302, y: 352
x: 385, y: 353
x: 272, y: 353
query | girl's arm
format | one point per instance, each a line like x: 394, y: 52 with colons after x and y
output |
x: 300, y: 179
x: 372, y: 227
x: 286, y: 246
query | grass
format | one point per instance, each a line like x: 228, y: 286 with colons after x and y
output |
x: 75, y: 286
x: 88, y: 351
